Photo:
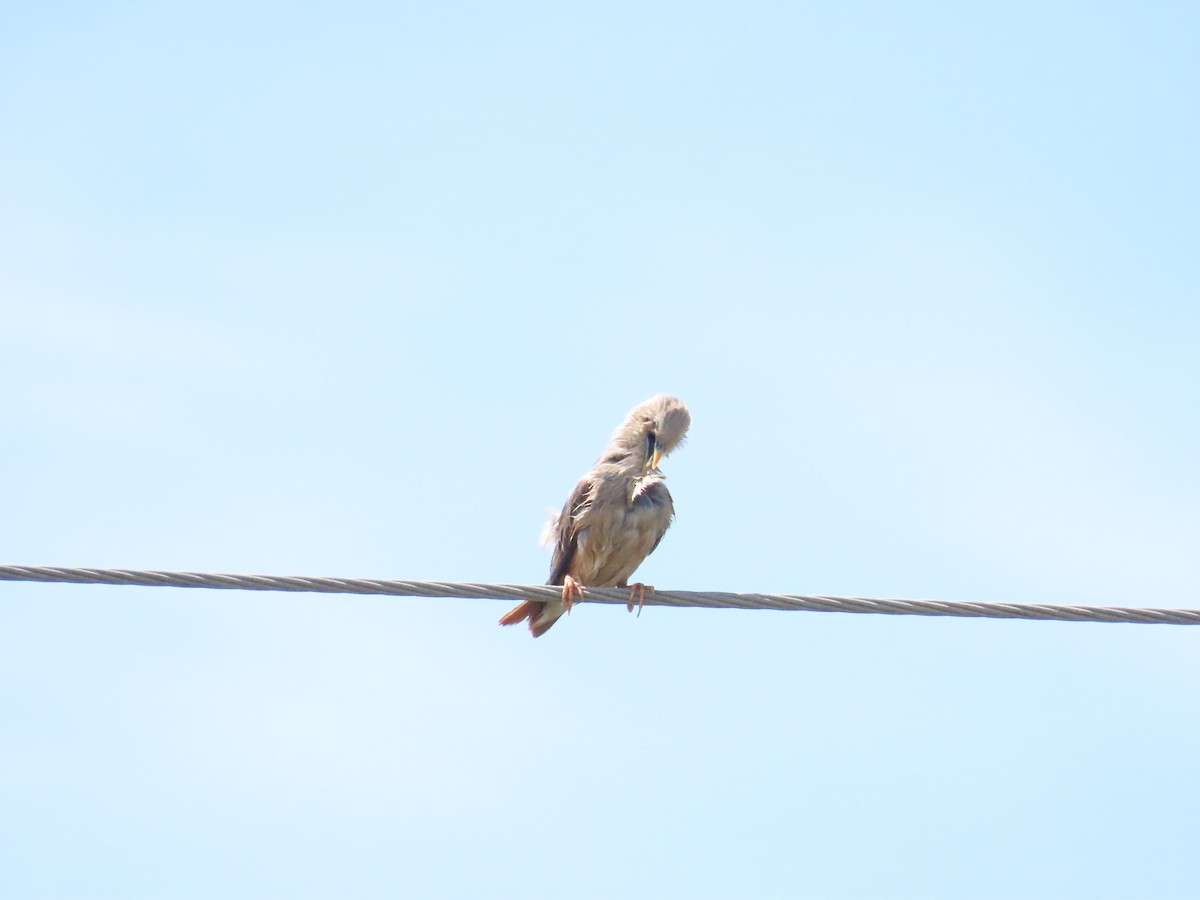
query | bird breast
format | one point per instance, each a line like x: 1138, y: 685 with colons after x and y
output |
x: 619, y: 535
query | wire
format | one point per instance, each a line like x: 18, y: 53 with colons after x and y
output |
x: 707, y: 599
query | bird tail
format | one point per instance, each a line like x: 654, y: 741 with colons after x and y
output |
x: 533, y: 610
x: 527, y: 610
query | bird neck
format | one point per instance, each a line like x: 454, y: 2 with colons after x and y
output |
x: 643, y: 483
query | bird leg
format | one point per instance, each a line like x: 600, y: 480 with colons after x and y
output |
x: 639, y: 589
x: 572, y: 593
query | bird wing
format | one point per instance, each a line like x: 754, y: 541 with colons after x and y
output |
x: 566, y: 530
x: 658, y: 495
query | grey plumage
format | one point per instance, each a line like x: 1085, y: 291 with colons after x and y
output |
x: 618, y: 512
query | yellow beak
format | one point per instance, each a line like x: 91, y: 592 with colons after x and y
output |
x: 653, y: 454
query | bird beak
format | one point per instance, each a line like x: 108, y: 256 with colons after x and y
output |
x: 652, y: 461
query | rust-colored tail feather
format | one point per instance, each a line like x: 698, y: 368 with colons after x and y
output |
x: 531, y: 610
x: 528, y: 609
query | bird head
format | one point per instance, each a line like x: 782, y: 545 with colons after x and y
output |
x: 652, y: 431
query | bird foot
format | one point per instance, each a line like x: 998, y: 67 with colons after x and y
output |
x: 640, y: 590
x: 572, y: 593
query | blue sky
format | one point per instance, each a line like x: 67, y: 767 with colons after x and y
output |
x: 362, y: 290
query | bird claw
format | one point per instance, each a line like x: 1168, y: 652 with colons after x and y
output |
x: 572, y: 593
x: 639, y: 589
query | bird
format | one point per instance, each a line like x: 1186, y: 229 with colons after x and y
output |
x: 616, y: 515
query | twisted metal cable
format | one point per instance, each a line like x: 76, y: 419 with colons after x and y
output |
x: 708, y: 599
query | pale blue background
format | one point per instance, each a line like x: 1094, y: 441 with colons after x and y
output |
x: 361, y: 290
